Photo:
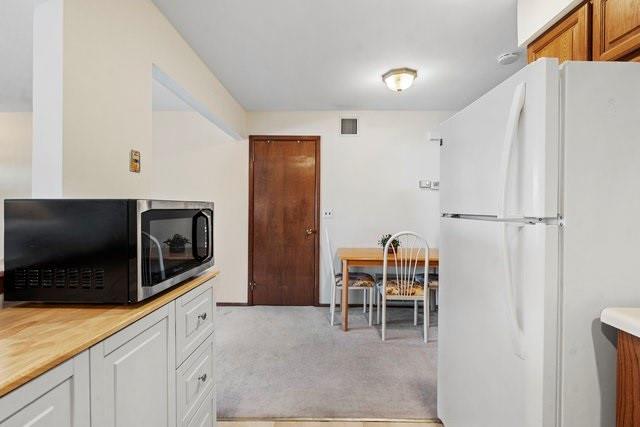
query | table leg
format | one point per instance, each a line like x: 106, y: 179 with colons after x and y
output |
x: 345, y: 295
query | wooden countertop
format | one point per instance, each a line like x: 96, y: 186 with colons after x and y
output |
x: 626, y: 319
x: 37, y: 337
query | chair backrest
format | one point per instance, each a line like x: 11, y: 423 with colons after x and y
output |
x: 329, y: 254
x: 404, y: 260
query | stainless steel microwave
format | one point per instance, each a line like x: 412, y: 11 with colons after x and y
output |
x: 103, y: 250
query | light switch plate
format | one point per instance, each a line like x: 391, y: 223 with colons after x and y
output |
x: 134, y: 161
x: 327, y: 213
x: 429, y: 185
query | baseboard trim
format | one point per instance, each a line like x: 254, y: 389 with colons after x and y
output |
x: 328, y: 420
x: 232, y: 304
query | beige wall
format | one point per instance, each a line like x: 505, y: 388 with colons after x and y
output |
x: 109, y: 49
x: 195, y: 160
x: 369, y: 181
x: 15, y: 162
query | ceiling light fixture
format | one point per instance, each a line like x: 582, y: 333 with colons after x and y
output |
x: 508, y: 58
x: 399, y: 79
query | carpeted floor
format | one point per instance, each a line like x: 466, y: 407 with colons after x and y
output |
x: 288, y: 362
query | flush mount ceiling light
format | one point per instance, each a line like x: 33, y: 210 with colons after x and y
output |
x: 508, y: 58
x: 399, y: 79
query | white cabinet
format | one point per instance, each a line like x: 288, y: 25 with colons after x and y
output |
x: 156, y: 372
x: 195, y: 379
x: 194, y: 320
x: 58, y: 398
x: 133, y: 374
x: 206, y: 415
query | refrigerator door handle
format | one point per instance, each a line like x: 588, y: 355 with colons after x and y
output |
x: 510, y: 137
x: 517, y: 333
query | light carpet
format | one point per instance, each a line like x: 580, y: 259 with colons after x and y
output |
x: 288, y: 362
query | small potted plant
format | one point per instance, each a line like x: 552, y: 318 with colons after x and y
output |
x: 385, y: 238
x: 177, y: 244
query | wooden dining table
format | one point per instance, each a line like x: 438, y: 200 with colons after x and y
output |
x: 369, y: 257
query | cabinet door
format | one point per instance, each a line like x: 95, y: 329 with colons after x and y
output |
x: 58, y: 398
x: 133, y: 374
x: 616, y: 29
x: 568, y: 40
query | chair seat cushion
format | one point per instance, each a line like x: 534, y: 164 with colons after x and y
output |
x: 393, y: 287
x: 357, y: 280
x: 411, y: 288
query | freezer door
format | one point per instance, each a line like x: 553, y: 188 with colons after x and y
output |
x: 499, y: 156
x: 497, y: 324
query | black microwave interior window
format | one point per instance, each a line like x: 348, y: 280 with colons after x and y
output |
x: 173, y: 241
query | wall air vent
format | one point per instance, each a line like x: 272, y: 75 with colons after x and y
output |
x: 349, y: 126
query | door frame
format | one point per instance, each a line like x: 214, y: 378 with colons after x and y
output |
x: 276, y: 138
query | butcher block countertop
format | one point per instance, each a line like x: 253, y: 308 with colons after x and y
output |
x: 35, y: 338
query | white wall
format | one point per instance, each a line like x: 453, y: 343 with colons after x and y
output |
x: 15, y: 162
x: 537, y: 16
x: 370, y: 181
x: 108, y: 52
x: 195, y: 160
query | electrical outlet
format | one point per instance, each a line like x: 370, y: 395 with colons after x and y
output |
x: 429, y: 185
x: 327, y: 213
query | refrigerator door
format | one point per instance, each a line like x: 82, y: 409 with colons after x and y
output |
x: 601, y: 238
x: 499, y: 156
x: 497, y: 324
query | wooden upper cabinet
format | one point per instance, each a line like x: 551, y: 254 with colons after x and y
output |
x: 616, y: 30
x: 569, y: 39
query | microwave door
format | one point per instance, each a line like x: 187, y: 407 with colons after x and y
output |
x: 158, y: 248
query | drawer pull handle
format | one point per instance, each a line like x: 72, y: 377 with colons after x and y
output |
x: 202, y: 377
x: 202, y: 316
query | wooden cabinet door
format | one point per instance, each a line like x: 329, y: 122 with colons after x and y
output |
x: 133, y: 374
x: 58, y: 398
x: 568, y: 40
x: 616, y: 29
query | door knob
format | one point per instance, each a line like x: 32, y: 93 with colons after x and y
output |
x: 309, y: 231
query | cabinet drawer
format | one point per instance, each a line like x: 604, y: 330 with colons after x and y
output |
x: 206, y: 415
x: 195, y: 381
x: 194, y: 320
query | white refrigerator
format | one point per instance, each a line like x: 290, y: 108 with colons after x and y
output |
x: 540, y: 230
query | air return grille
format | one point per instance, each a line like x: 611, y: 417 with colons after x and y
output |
x: 348, y: 126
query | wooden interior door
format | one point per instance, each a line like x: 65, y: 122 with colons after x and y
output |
x: 568, y: 40
x: 284, y: 196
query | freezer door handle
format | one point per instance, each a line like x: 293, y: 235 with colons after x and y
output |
x: 517, y: 333
x: 510, y: 137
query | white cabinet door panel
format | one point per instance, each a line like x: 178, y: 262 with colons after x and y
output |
x: 58, y: 398
x: 194, y: 320
x: 133, y: 379
x: 206, y: 415
x: 195, y: 380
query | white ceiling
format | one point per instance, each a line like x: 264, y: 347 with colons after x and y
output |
x: 316, y: 55
x: 330, y: 54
